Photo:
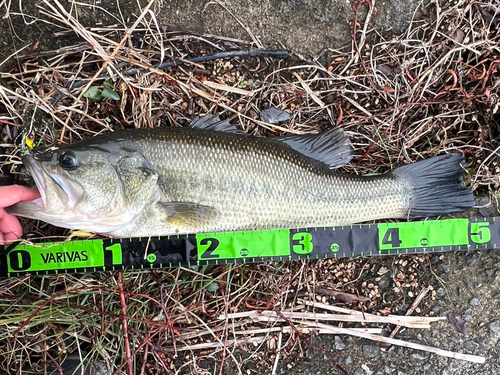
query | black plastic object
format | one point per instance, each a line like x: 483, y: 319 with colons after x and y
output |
x: 6, y: 177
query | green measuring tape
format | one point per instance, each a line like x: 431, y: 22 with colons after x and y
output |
x: 250, y: 246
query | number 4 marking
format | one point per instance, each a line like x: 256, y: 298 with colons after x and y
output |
x: 391, y: 237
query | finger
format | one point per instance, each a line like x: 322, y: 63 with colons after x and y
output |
x: 10, y: 227
x: 2, y: 214
x: 11, y: 237
x: 10, y: 195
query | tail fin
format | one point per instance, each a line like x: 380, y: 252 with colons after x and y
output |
x: 437, y: 186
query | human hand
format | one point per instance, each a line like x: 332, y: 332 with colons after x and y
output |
x: 10, y: 229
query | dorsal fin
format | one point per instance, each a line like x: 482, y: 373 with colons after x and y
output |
x: 215, y: 123
x: 332, y: 147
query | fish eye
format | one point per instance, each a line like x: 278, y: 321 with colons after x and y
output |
x: 67, y: 160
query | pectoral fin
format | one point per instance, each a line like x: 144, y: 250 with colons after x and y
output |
x: 188, y: 215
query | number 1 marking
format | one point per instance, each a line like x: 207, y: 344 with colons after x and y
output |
x: 116, y: 253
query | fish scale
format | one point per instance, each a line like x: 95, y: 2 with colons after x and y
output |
x: 288, y: 190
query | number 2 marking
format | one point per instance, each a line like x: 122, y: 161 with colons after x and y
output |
x: 212, y: 243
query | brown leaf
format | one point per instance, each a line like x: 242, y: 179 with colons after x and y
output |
x: 385, y: 311
x: 457, y: 323
x: 387, y: 70
x: 487, y: 16
x: 458, y: 35
x: 342, y: 296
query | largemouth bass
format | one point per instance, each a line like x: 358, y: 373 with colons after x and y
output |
x: 212, y: 177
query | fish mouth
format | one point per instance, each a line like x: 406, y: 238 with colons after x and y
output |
x: 58, y: 193
x: 35, y: 169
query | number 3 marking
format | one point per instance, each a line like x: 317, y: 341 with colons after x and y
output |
x: 302, y: 243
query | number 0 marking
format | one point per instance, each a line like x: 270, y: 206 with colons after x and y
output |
x: 20, y: 260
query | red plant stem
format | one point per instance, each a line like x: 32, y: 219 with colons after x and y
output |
x: 123, y: 302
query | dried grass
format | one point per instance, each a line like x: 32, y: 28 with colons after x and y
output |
x: 432, y: 90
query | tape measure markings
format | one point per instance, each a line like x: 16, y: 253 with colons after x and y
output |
x: 252, y: 246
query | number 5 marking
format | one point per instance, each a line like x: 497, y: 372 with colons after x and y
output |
x: 479, y: 232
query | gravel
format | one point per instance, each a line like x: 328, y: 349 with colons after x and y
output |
x: 338, y: 344
x: 471, y: 346
x: 371, y: 351
x: 471, y: 260
x: 495, y: 326
x: 421, y: 356
x: 475, y: 302
x: 441, y: 292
